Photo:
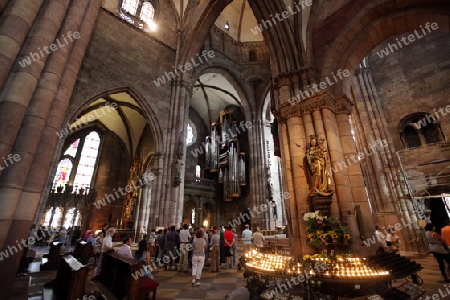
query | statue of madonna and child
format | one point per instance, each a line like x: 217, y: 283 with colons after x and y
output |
x: 320, y: 180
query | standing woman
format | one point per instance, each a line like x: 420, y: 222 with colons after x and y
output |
x: 142, y: 252
x: 198, y: 257
x: 438, y: 248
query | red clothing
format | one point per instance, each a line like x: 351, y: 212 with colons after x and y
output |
x: 445, y: 233
x: 228, y: 236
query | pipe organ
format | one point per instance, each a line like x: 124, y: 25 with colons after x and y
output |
x: 223, y: 156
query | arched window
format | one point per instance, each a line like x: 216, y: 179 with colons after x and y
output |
x: 191, y: 133
x: 130, y: 6
x: 88, y: 158
x: 147, y: 13
x: 420, y: 129
x: 411, y: 137
x: 198, y: 171
x: 252, y: 55
x: 78, y: 163
x: 431, y: 133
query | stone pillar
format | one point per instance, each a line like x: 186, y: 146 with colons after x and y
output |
x: 158, y: 189
x: 259, y: 180
x: 382, y: 171
x: 14, y: 29
x: 322, y: 116
x: 147, y: 207
x: 21, y: 191
x: 172, y: 210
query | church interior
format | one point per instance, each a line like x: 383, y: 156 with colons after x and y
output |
x: 312, y: 120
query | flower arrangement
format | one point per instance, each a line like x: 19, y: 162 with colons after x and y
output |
x: 315, y: 216
x: 335, y: 230
x: 333, y: 234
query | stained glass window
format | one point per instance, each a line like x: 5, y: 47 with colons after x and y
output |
x: 85, y: 168
x: 191, y: 133
x: 147, y: 13
x: 56, y: 217
x: 72, y: 150
x: 63, y: 172
x: 130, y: 6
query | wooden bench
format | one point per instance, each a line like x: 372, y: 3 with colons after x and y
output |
x: 53, y: 257
x: 70, y: 280
x: 83, y: 251
x: 116, y: 275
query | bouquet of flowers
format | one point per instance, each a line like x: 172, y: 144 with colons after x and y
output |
x: 315, y: 216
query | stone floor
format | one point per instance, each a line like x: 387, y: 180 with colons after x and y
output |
x: 176, y: 285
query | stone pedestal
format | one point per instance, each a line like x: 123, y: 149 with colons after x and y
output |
x: 321, y: 203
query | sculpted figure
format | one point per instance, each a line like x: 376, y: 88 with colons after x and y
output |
x: 316, y: 155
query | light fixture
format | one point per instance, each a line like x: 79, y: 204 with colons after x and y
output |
x: 227, y: 25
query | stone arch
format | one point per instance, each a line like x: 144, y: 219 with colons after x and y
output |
x: 353, y: 43
x: 242, y: 92
x: 289, y: 59
x: 147, y: 108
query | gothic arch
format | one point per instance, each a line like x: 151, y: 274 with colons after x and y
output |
x: 231, y: 77
x: 353, y: 43
x: 281, y: 36
x: 147, y: 108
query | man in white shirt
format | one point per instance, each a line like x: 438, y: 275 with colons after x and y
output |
x: 125, y: 249
x: 107, y: 243
x: 185, y: 239
x: 247, y: 236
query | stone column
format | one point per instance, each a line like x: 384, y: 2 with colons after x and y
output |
x: 179, y: 107
x: 138, y: 213
x: 14, y: 29
x: 382, y: 170
x: 158, y: 189
x: 21, y: 191
x: 258, y: 169
x: 363, y: 227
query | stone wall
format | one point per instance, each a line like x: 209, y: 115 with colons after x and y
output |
x: 413, y: 79
x: 120, y: 55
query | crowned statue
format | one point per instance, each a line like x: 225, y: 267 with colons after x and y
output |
x: 320, y: 180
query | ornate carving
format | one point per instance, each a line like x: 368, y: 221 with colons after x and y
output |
x: 318, y: 102
x: 343, y: 105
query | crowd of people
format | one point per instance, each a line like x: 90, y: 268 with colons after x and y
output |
x: 179, y: 249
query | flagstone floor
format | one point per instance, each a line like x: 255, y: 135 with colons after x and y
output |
x: 177, y: 285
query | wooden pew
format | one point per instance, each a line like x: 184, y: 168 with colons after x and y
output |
x: 53, y: 257
x: 83, y: 251
x: 70, y: 280
x: 116, y: 275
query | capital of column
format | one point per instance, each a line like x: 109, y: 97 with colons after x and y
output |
x: 318, y: 102
x: 182, y: 83
x: 344, y: 105
x: 301, y: 77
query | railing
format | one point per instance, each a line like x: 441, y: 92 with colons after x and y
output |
x: 200, y: 182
